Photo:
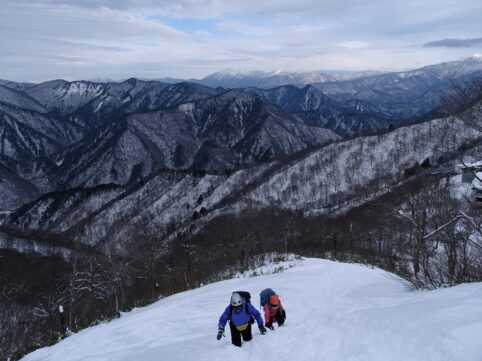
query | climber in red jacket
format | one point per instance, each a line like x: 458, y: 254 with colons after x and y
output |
x: 274, y: 312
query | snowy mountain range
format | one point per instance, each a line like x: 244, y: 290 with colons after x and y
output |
x: 115, y: 192
x: 327, y: 181
x: 231, y: 78
x: 405, y: 95
x: 58, y: 134
x: 397, y: 95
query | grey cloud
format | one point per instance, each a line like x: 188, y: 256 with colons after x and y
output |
x: 111, y: 4
x: 454, y: 43
x: 321, y: 9
x: 120, y: 38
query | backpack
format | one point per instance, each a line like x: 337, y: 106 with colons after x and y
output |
x: 246, y: 296
x: 265, y: 295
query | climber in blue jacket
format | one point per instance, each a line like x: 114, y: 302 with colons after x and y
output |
x: 240, y: 316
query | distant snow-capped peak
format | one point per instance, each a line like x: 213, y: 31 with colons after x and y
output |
x: 271, y: 77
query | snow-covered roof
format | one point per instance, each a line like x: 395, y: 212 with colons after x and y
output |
x: 476, y: 183
x: 470, y: 165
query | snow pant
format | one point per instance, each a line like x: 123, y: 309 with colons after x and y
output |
x: 279, y: 317
x: 236, y: 334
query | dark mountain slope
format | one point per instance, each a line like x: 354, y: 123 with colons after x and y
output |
x: 217, y: 133
x: 317, y: 109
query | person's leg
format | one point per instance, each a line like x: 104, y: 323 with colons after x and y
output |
x: 247, y: 334
x: 235, y: 335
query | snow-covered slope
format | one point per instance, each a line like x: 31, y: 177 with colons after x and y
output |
x: 335, y: 312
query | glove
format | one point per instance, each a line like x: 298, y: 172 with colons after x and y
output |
x: 220, y: 333
x: 283, y: 313
x: 262, y: 329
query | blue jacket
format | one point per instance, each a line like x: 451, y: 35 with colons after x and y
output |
x: 240, y: 318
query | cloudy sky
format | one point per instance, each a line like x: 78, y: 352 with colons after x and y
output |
x: 84, y: 39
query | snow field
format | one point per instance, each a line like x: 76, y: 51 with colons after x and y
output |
x: 335, y: 311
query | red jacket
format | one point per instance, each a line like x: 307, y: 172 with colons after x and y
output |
x: 270, y: 312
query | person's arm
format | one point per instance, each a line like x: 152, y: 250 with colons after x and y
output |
x: 224, y: 318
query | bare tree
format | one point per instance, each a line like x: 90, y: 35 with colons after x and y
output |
x: 12, y: 315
